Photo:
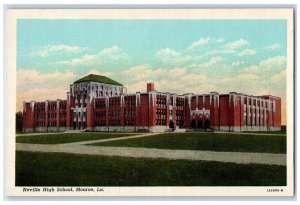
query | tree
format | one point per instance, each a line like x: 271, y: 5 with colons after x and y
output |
x: 19, y: 121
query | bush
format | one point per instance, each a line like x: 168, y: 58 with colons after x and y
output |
x: 19, y: 121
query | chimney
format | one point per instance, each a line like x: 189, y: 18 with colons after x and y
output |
x: 150, y: 87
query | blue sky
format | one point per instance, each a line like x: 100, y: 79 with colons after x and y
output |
x: 141, y: 39
x: 199, y: 56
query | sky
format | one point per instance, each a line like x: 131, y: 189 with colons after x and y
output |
x: 181, y: 56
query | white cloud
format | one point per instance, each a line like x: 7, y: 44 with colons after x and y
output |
x: 237, y: 63
x: 38, y: 86
x: 34, y: 85
x: 41, y: 94
x: 203, y: 41
x: 243, y: 77
x: 219, y: 52
x: 113, y: 54
x: 271, y: 47
x: 236, y: 44
x: 267, y: 66
x: 247, y: 52
x: 61, y: 48
x: 32, y: 76
x: 266, y: 77
x: 179, y: 80
x: 96, y: 72
x: 229, y: 48
x: 200, y: 42
x: 250, y: 69
x: 279, y: 78
x: 213, y: 61
x: 84, y: 59
x: 169, y: 56
x: 274, y: 63
x: 167, y: 52
x: 146, y: 72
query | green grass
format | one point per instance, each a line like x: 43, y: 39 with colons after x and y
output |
x: 207, y: 141
x: 66, y: 138
x: 28, y: 133
x: 280, y: 132
x: 55, y: 169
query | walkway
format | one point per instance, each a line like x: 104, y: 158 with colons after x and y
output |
x: 249, y: 133
x: 110, y: 139
x: 219, y: 132
x: 234, y: 157
x: 56, y: 133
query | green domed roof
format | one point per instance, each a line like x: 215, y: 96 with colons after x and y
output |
x: 98, y: 79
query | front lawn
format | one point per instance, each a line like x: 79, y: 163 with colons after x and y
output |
x: 226, y: 142
x: 66, y: 138
x: 57, y: 169
x: 280, y: 132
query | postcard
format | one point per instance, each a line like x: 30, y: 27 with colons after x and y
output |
x: 150, y: 102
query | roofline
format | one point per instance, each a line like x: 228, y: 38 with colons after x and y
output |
x: 94, y: 75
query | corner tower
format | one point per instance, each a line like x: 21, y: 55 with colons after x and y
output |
x: 81, y: 97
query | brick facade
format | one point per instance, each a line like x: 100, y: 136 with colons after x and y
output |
x: 98, y: 106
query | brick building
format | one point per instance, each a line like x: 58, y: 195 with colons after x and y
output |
x: 97, y: 103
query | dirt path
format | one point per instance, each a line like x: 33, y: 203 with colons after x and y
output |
x: 234, y: 157
x: 109, y: 139
x: 248, y: 133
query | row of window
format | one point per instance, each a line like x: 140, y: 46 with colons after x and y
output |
x: 129, y: 112
x: 51, y: 108
x: 100, y: 104
x: 129, y: 123
x: 51, y: 124
x: 100, y: 114
x: 161, y: 112
x: 50, y: 115
x: 114, y: 123
x: 40, y: 107
x: 100, y: 123
x: 114, y: 104
x: 258, y: 107
x: 98, y: 87
x: 79, y: 116
x: 179, y: 103
x: 179, y: 123
x: 115, y: 113
x: 62, y: 115
x: 163, y: 101
x: 179, y: 113
x: 40, y: 115
x: 161, y: 122
x: 254, y: 121
x: 130, y: 102
x: 62, y: 106
x: 79, y: 125
x: 81, y: 104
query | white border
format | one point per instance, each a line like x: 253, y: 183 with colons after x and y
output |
x: 275, y: 13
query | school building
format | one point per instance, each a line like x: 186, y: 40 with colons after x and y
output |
x: 98, y: 103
